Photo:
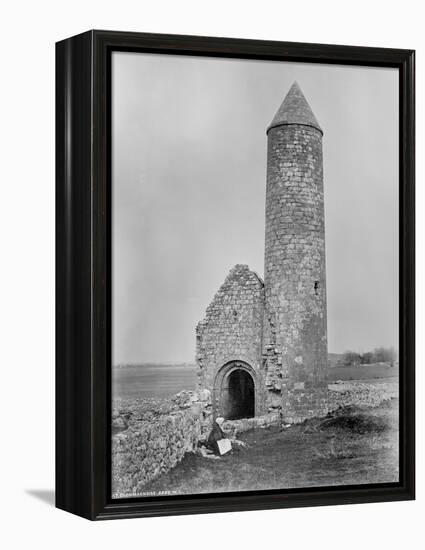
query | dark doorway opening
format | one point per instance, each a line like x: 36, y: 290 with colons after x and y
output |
x: 241, y: 395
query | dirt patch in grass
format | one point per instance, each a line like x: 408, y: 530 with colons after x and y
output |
x: 354, y: 445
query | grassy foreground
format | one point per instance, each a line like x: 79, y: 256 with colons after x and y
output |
x: 354, y: 445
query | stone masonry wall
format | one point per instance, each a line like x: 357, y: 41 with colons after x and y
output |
x: 150, y: 436
x: 295, y: 333
x: 232, y: 328
x: 363, y: 394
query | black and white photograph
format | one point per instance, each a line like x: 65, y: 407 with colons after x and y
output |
x: 254, y: 275
x: 211, y: 236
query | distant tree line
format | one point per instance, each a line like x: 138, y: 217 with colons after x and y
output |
x: 378, y: 355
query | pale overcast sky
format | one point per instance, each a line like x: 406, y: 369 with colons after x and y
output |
x: 189, y: 179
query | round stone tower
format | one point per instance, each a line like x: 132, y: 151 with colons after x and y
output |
x: 294, y: 328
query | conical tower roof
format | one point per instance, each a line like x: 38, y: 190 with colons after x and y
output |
x: 295, y: 110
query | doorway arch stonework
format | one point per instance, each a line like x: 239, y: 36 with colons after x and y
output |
x: 221, y: 387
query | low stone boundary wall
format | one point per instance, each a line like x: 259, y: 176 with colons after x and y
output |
x: 151, y: 436
x: 363, y: 394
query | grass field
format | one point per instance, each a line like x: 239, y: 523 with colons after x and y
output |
x: 353, y: 446
x: 140, y: 381
x: 156, y: 380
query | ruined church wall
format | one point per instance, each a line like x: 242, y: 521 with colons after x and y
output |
x: 232, y: 328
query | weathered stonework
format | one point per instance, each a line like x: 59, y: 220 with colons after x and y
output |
x: 230, y: 335
x: 276, y: 332
x: 154, y: 436
x: 294, y: 337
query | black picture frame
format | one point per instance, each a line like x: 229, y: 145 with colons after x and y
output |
x: 83, y: 229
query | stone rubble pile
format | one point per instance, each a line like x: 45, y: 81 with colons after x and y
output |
x: 234, y: 427
x: 343, y: 394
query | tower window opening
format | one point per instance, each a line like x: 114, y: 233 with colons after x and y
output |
x: 316, y: 287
